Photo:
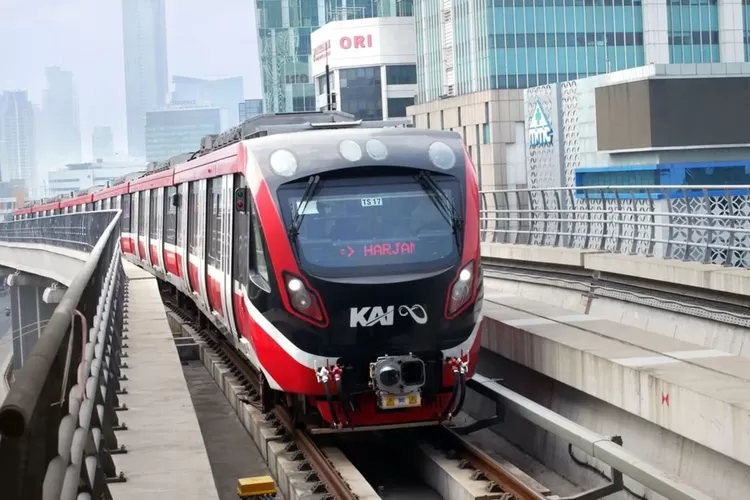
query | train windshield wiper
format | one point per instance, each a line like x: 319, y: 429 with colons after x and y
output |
x: 299, y: 213
x: 441, y: 200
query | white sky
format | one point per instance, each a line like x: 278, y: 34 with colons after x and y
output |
x: 204, y: 39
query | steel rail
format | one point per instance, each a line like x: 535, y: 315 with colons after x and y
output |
x: 480, y: 461
x: 327, y: 473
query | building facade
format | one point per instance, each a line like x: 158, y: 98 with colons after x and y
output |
x: 59, y: 130
x: 284, y: 31
x: 146, y: 80
x: 594, y: 136
x: 77, y: 176
x: 18, y: 140
x: 371, y: 66
x: 249, y: 108
x: 180, y: 129
x: 466, y: 46
x: 102, y: 144
x: 222, y: 93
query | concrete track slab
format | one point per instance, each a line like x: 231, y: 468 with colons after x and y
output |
x: 166, y: 456
x: 701, y: 394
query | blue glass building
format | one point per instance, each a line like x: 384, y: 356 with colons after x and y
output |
x: 473, y: 45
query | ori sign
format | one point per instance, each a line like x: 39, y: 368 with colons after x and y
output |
x: 355, y: 42
x: 540, y: 129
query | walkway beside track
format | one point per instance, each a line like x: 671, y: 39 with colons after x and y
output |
x: 166, y: 456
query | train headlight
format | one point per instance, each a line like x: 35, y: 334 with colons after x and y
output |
x: 283, y: 163
x: 461, y: 290
x: 441, y: 155
x: 303, y: 300
x: 350, y: 150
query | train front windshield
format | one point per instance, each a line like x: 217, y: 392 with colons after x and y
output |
x: 374, y: 226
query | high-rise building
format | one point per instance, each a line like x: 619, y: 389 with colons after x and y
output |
x: 284, y: 30
x: 76, y: 176
x: 17, y: 139
x: 59, y: 131
x: 249, y: 108
x: 222, y: 93
x: 146, y: 81
x: 102, y: 144
x: 470, y: 45
x: 180, y: 129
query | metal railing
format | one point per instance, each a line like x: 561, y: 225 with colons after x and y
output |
x: 78, y: 231
x: 58, y: 420
x: 707, y: 224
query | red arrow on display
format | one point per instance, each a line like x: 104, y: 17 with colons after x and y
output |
x: 351, y: 251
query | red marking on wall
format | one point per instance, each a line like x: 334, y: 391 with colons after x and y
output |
x: 665, y: 399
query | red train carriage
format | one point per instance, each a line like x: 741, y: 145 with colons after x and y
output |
x: 344, y: 264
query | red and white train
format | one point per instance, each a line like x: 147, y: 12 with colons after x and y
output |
x: 342, y: 261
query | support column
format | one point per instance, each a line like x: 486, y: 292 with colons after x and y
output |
x: 29, y: 314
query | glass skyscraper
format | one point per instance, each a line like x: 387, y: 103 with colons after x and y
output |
x: 467, y: 46
x: 284, y: 29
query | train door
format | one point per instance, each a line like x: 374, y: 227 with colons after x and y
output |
x: 183, y: 216
x: 240, y: 269
x: 141, y: 226
x: 214, y: 216
x: 202, y: 213
x: 154, y: 237
x: 196, y: 237
x: 227, y: 205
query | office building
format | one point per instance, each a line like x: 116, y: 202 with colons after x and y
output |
x: 249, y: 108
x: 284, y: 30
x: 59, y: 130
x: 371, y: 66
x: 222, y: 93
x: 77, y: 176
x: 18, y: 140
x: 180, y: 129
x: 146, y: 80
x: 467, y: 47
x: 102, y: 144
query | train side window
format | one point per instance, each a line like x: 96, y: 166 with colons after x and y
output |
x: 178, y: 219
x: 142, y: 213
x: 193, y: 218
x: 258, y: 255
x: 170, y: 216
x: 126, y: 213
x: 153, y: 214
x: 213, y: 223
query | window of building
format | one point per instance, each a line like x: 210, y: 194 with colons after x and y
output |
x: 693, y: 31
x: 170, y: 216
x: 486, y: 138
x: 401, y: 74
x: 397, y: 107
x: 361, y: 92
x: 153, y: 214
x: 213, y: 224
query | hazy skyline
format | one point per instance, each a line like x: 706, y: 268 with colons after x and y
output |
x: 204, y: 40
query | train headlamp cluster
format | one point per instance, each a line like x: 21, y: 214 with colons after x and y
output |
x: 302, y: 300
x: 461, y: 289
x: 398, y: 374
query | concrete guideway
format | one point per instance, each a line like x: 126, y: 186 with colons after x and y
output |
x: 166, y: 455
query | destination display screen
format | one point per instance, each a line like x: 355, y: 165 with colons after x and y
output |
x: 356, y: 226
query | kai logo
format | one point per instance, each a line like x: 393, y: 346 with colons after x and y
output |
x: 540, y: 129
x: 371, y: 316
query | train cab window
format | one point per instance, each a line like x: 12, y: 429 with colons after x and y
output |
x: 258, y: 257
x: 153, y: 214
x: 391, y: 224
x: 142, y: 213
x: 125, y: 213
x: 170, y: 216
x: 213, y: 223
